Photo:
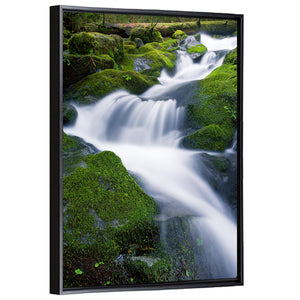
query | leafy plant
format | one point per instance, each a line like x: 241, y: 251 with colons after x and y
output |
x: 66, y: 60
x: 127, y: 77
x: 98, y: 264
x: 232, y: 112
x: 78, y: 272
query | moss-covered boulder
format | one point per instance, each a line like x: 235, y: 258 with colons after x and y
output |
x: 179, y: 35
x: 215, y: 100
x: 97, y: 43
x: 151, y: 58
x: 98, y: 85
x: 102, y: 200
x: 210, y: 137
x: 146, y: 34
x: 196, y: 51
x: 75, y: 67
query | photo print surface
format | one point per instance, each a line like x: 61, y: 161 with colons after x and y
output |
x: 150, y: 149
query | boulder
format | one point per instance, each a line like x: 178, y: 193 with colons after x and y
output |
x: 95, y: 86
x: 146, y: 34
x: 97, y: 44
x: 76, y: 67
x: 210, y: 137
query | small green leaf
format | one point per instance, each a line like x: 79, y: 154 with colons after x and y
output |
x: 187, y: 273
x: 96, y: 265
x: 131, y: 280
x: 78, y: 272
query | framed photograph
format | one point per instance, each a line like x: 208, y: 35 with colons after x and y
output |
x: 146, y: 149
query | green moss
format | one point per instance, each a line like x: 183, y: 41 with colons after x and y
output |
x: 76, y: 67
x: 231, y: 57
x: 73, y: 153
x: 179, y: 35
x: 201, y: 49
x: 103, y: 200
x: 82, y: 43
x: 160, y: 60
x: 157, y: 55
x: 215, y: 100
x: 146, y: 34
x: 70, y: 143
x: 98, y: 44
x: 169, y: 45
x: 69, y: 114
x: 210, y: 137
x: 97, y: 85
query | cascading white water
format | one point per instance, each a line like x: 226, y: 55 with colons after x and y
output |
x: 145, y: 135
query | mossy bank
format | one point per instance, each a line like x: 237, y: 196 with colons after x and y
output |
x: 213, y: 113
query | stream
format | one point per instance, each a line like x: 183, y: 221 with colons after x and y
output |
x: 145, y: 132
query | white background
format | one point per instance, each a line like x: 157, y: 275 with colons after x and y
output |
x: 271, y: 142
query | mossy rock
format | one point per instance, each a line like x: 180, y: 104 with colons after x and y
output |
x: 76, y: 67
x: 146, y: 34
x: 69, y: 114
x: 179, y: 35
x: 129, y: 47
x: 82, y: 43
x: 210, y: 137
x: 98, y: 85
x: 98, y: 44
x: 196, y: 51
x: 215, y: 100
x: 102, y: 199
x: 151, y: 58
x: 74, y: 150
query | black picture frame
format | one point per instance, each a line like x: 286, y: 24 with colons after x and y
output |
x: 56, y: 135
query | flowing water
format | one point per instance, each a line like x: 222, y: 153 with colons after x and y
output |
x: 145, y: 133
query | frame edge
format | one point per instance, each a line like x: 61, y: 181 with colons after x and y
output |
x: 55, y: 145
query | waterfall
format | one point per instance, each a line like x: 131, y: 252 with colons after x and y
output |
x: 145, y: 133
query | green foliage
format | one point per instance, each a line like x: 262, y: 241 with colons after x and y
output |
x: 127, y: 77
x: 98, y: 264
x: 66, y: 60
x: 78, y: 272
